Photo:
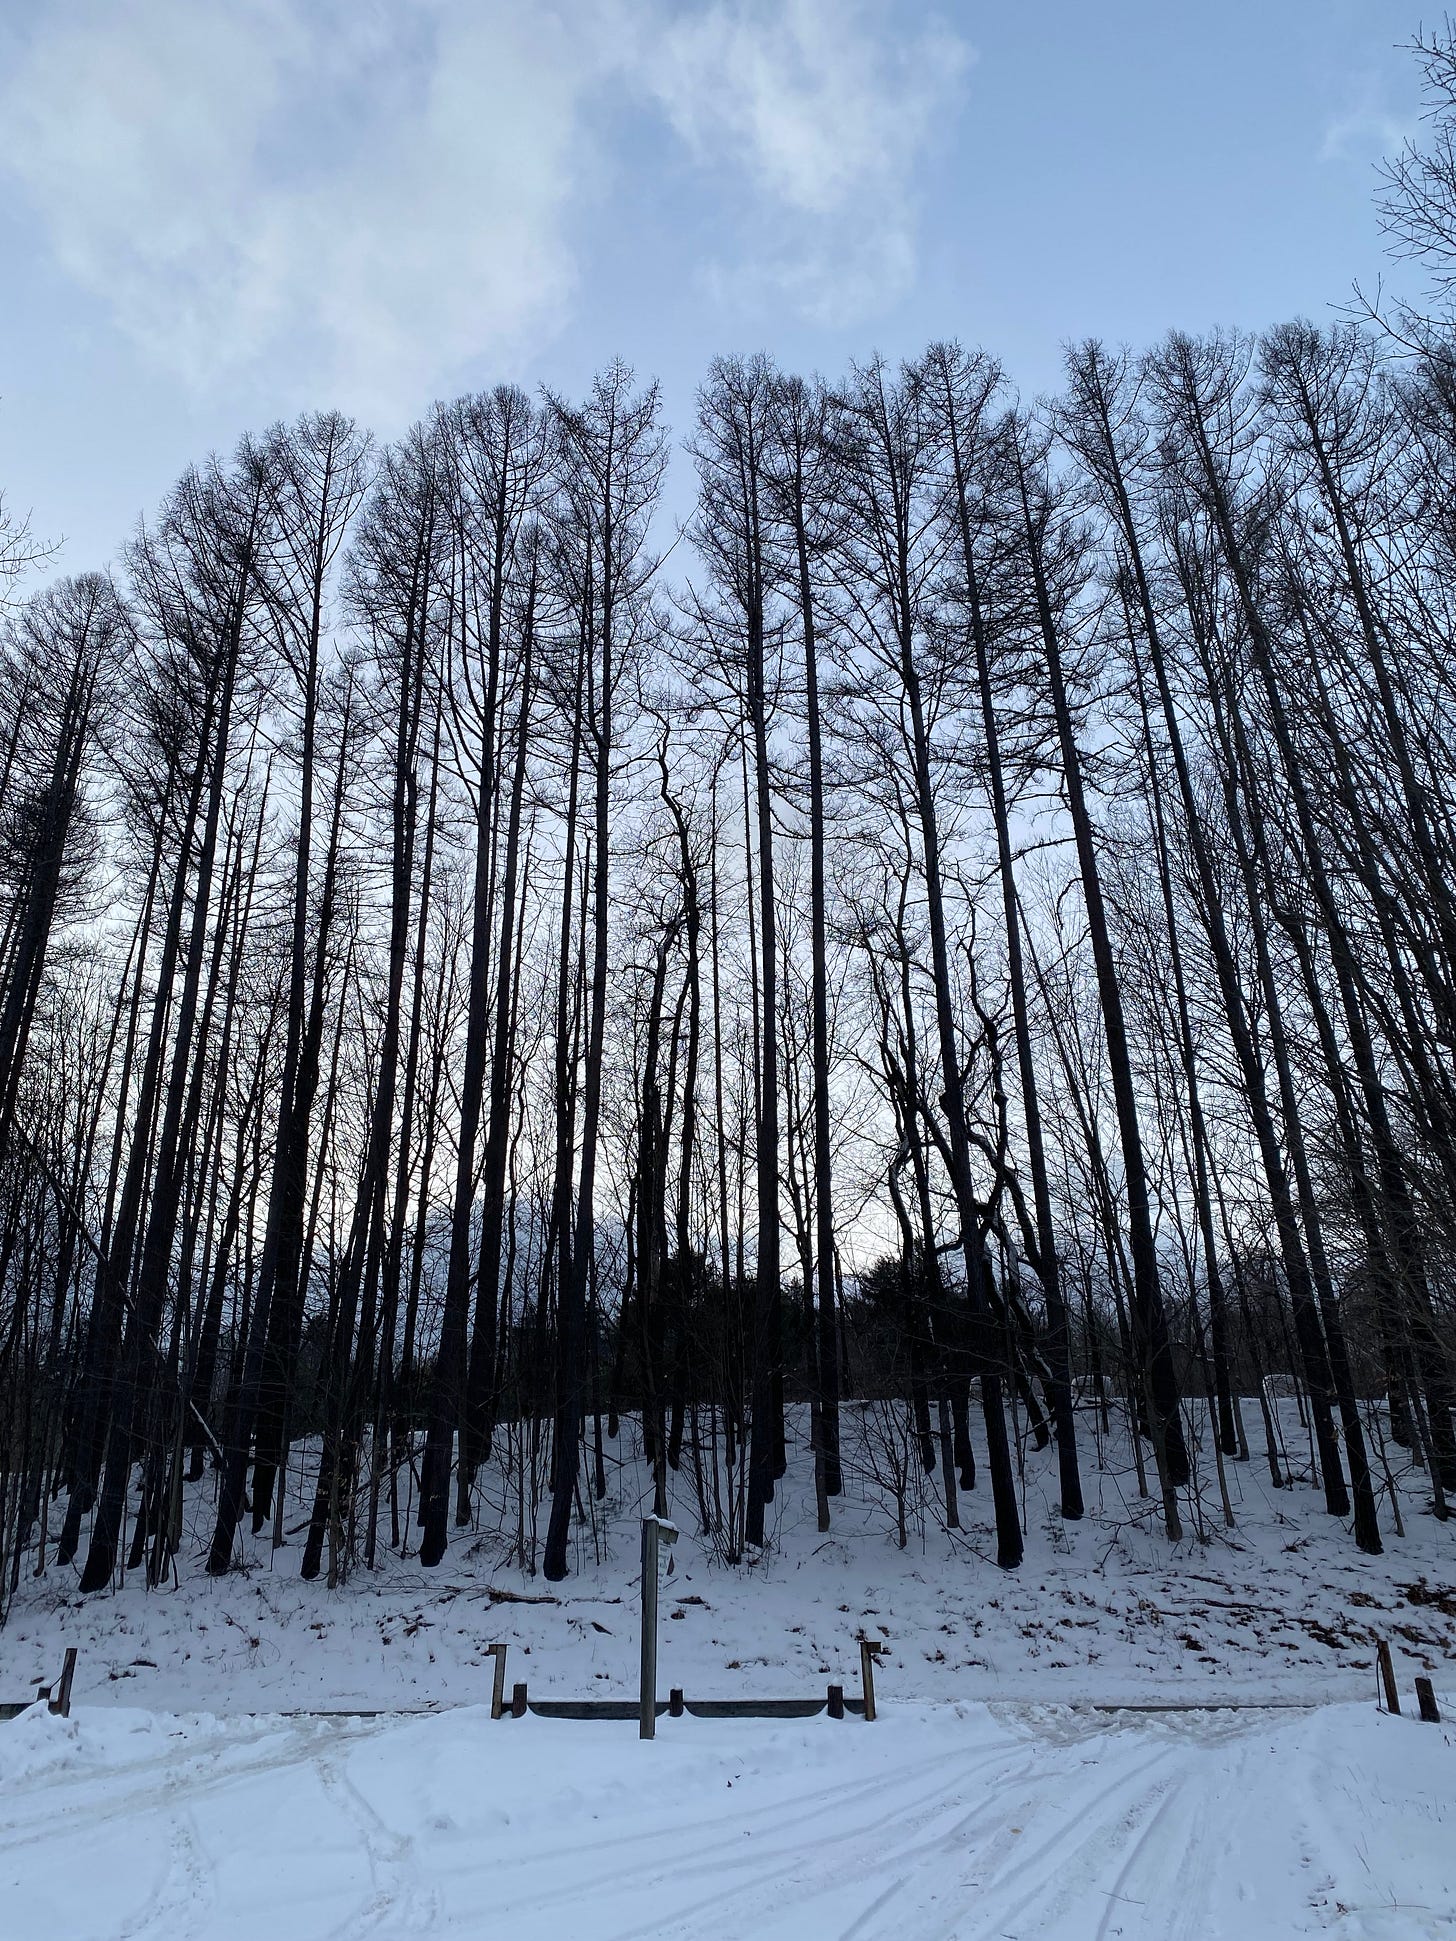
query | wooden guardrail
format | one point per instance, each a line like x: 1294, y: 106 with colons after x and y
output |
x: 57, y: 1694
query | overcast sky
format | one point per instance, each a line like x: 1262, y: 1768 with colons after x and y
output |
x: 213, y: 215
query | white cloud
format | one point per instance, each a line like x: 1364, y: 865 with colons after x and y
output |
x: 1367, y: 129
x: 368, y: 193
x: 377, y: 190
x: 827, y: 107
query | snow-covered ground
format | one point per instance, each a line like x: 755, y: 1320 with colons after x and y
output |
x: 987, y: 1800
x: 948, y: 1821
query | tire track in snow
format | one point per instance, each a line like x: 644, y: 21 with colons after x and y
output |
x: 1139, y: 1844
x: 398, y: 1890
x: 735, y: 1875
x: 184, y: 1897
x: 772, y: 1849
x: 1151, y: 1854
x: 199, y: 1771
x: 1077, y: 1809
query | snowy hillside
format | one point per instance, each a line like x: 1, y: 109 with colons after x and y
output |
x: 1283, y: 1606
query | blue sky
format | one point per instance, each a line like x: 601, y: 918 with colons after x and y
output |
x: 213, y: 215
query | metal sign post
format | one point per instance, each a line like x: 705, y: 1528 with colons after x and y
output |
x: 656, y: 1530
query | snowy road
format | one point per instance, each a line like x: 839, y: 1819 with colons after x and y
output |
x: 956, y: 1822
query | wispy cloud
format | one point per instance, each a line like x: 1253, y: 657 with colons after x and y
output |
x: 372, y: 193
x: 377, y: 191
x: 1367, y: 129
x: 826, y: 109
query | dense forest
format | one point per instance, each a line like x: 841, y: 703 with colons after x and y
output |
x: 970, y: 922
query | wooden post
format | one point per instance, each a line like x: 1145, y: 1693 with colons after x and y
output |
x: 498, y: 1682
x: 61, y: 1702
x: 518, y: 1701
x: 868, y: 1652
x: 647, y: 1696
x: 1426, y: 1699
x: 1387, y: 1676
x: 836, y: 1701
x: 675, y: 1706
